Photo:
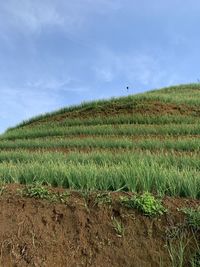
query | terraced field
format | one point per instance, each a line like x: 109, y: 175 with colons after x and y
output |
x: 148, y: 142
x: 141, y: 143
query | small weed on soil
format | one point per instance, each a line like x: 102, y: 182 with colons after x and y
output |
x: 40, y: 192
x: 2, y: 189
x: 118, y: 227
x: 103, y: 198
x: 146, y: 203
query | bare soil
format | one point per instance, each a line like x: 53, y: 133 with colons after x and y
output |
x: 80, y: 232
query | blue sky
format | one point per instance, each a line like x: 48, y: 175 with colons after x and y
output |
x: 55, y: 53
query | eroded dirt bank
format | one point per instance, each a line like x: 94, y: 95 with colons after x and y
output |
x: 83, y: 232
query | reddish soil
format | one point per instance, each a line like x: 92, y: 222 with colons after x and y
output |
x: 35, y: 232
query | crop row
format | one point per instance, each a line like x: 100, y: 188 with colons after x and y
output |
x: 184, y: 144
x: 103, y: 130
x: 115, y: 120
x: 137, y: 176
x: 103, y: 158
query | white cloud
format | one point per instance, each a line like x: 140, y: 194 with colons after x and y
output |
x: 55, y: 86
x: 134, y: 67
x: 104, y: 6
x: 25, y: 103
x: 106, y: 73
x: 33, y: 16
x: 18, y: 104
x: 48, y: 84
x: 35, y: 97
x: 29, y: 15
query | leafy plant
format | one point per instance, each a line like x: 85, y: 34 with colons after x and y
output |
x: 146, y: 203
x: 36, y: 191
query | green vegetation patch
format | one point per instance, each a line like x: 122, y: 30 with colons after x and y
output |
x: 146, y: 203
x: 40, y: 192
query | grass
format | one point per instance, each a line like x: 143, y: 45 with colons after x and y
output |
x: 177, y: 252
x: 195, y: 259
x: 2, y: 189
x: 118, y: 227
x: 192, y: 217
x: 183, y: 246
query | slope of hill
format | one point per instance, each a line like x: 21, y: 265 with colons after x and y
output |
x: 143, y: 143
x: 136, y: 143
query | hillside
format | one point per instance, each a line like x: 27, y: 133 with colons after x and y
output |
x: 98, y: 156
